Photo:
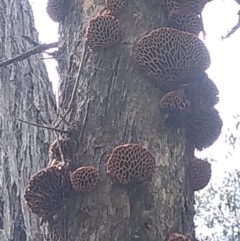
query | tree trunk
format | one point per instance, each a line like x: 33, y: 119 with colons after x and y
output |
x: 117, y: 104
x: 25, y: 93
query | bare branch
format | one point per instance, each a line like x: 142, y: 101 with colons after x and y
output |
x: 40, y: 48
x: 30, y: 40
x: 234, y: 29
x: 43, y: 126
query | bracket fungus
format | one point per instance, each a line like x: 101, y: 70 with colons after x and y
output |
x: 67, y: 146
x: 171, y: 5
x: 103, y: 31
x: 176, y: 106
x: 203, y: 128
x: 130, y: 161
x: 202, y: 92
x: 200, y: 173
x: 186, y: 22
x: 115, y: 7
x: 84, y: 179
x: 169, y: 55
x: 56, y: 9
x: 177, y: 237
x: 47, y: 190
x: 174, y: 101
x: 183, y: 6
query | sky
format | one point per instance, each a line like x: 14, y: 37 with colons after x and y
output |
x: 218, y: 16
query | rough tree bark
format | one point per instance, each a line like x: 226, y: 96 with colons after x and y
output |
x: 117, y: 104
x: 26, y: 93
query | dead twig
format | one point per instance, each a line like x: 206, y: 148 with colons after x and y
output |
x: 38, y: 49
x: 43, y: 126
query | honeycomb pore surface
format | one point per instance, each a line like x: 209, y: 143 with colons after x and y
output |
x: 115, y: 7
x: 202, y: 92
x: 103, y: 31
x: 168, y: 55
x: 84, y: 179
x: 130, y: 161
x: 203, y: 127
x: 57, y: 9
x: 176, y: 106
x: 186, y: 22
x: 47, y: 190
x: 199, y: 173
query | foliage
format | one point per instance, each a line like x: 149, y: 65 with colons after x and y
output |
x: 218, y: 209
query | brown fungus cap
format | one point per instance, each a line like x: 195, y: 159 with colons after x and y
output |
x: 187, y: 6
x: 200, y: 173
x: 47, y: 190
x: 176, y: 106
x: 130, y: 161
x: 67, y: 146
x: 203, y: 127
x: 57, y: 9
x: 174, y: 101
x: 202, y: 92
x: 103, y: 31
x: 177, y: 237
x: 171, y: 5
x: 115, y: 7
x: 186, y: 22
x: 169, y: 55
x: 84, y: 179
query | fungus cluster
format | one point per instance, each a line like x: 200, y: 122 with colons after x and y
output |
x: 199, y: 173
x: 84, y: 179
x: 47, y: 190
x: 177, y: 60
x: 130, y: 161
x: 184, y: 15
x: 57, y: 9
x: 169, y: 55
x: 177, y: 237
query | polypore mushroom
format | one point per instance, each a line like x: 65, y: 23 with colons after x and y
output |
x: 186, y: 22
x: 84, y: 179
x: 130, y: 161
x: 169, y: 55
x: 103, y: 31
x: 57, y: 9
x: 202, y: 92
x: 47, y: 190
x: 200, y: 173
x: 183, y: 6
x: 66, y: 145
x: 176, y: 106
x: 203, y: 127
